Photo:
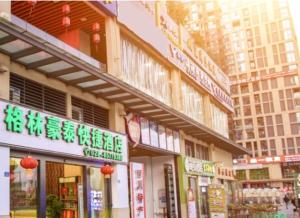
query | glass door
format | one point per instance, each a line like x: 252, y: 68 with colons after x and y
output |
x: 64, y: 190
x: 24, y: 189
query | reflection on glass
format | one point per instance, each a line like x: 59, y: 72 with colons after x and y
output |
x: 97, y: 193
x: 23, y: 190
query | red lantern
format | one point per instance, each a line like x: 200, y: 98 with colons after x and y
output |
x: 66, y: 22
x: 107, y: 170
x: 29, y: 163
x: 64, y: 190
x: 96, y: 38
x: 66, y: 9
x: 96, y: 27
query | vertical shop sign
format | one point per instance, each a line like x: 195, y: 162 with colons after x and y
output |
x: 216, y: 199
x: 191, y: 204
x: 153, y: 134
x: 145, y: 131
x: 137, y: 182
x: 170, y: 142
x: 162, y: 137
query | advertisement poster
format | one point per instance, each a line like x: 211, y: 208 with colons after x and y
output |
x: 216, y: 199
x: 138, y: 207
x: 153, y: 134
x: 192, y: 212
x: 145, y: 131
x: 170, y: 142
x: 162, y: 137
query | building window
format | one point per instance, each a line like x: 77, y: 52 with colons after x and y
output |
x: 295, y: 123
x: 274, y: 84
x: 264, y: 148
x: 255, y: 148
x: 192, y: 102
x: 298, y: 144
x: 290, y: 145
x: 89, y: 113
x: 144, y: 72
x: 267, y: 100
x: 255, y: 86
x: 279, y: 125
x: 202, y: 152
x: 273, y: 151
x: 189, y: 149
x: 289, y: 99
x: 259, y: 174
x: 219, y: 121
x: 270, y: 127
x: 30, y: 93
x: 244, y: 88
x: 282, y: 101
x: 284, y: 150
x: 249, y: 147
x: 241, y: 175
x: 291, y: 80
x: 264, y: 85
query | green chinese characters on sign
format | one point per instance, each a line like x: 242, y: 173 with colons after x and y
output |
x: 53, y: 128
x: 84, y: 137
x: 118, y: 144
x: 14, y: 119
x: 97, y: 138
x: 34, y: 123
x: 108, y: 141
x: 68, y: 131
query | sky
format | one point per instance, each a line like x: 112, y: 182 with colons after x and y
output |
x: 295, y: 10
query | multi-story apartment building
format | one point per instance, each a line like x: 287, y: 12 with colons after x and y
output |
x: 70, y: 72
x: 262, y: 62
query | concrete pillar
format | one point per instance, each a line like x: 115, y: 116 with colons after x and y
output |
x: 69, y: 105
x: 207, y: 111
x: 4, y: 76
x: 5, y: 9
x: 119, y: 180
x: 4, y: 182
x: 113, y: 46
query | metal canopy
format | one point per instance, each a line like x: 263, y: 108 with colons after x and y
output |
x: 35, y: 49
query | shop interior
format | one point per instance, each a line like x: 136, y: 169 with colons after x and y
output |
x: 65, y: 190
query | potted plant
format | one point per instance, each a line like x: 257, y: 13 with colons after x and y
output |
x: 54, y: 206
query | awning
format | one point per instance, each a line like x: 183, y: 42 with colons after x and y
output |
x: 37, y: 50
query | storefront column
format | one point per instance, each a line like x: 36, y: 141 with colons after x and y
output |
x: 4, y: 182
x: 176, y: 90
x: 4, y: 74
x: 113, y: 46
x: 207, y: 111
x: 69, y: 105
x: 119, y: 179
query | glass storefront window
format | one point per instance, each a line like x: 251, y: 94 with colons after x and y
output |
x: 97, y: 193
x: 23, y: 190
x: 289, y: 170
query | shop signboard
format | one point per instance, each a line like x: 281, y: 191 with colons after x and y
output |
x: 188, y: 66
x: 225, y: 173
x: 162, y: 137
x: 145, y: 133
x: 137, y: 183
x: 31, y: 129
x: 216, y: 199
x: 133, y: 128
x: 199, y: 167
x: 159, y: 136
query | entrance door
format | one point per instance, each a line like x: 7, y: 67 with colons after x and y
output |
x: 64, y: 190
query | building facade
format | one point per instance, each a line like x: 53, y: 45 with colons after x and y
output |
x: 262, y: 62
x: 109, y: 116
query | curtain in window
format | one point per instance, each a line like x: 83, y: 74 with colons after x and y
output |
x: 143, y: 72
